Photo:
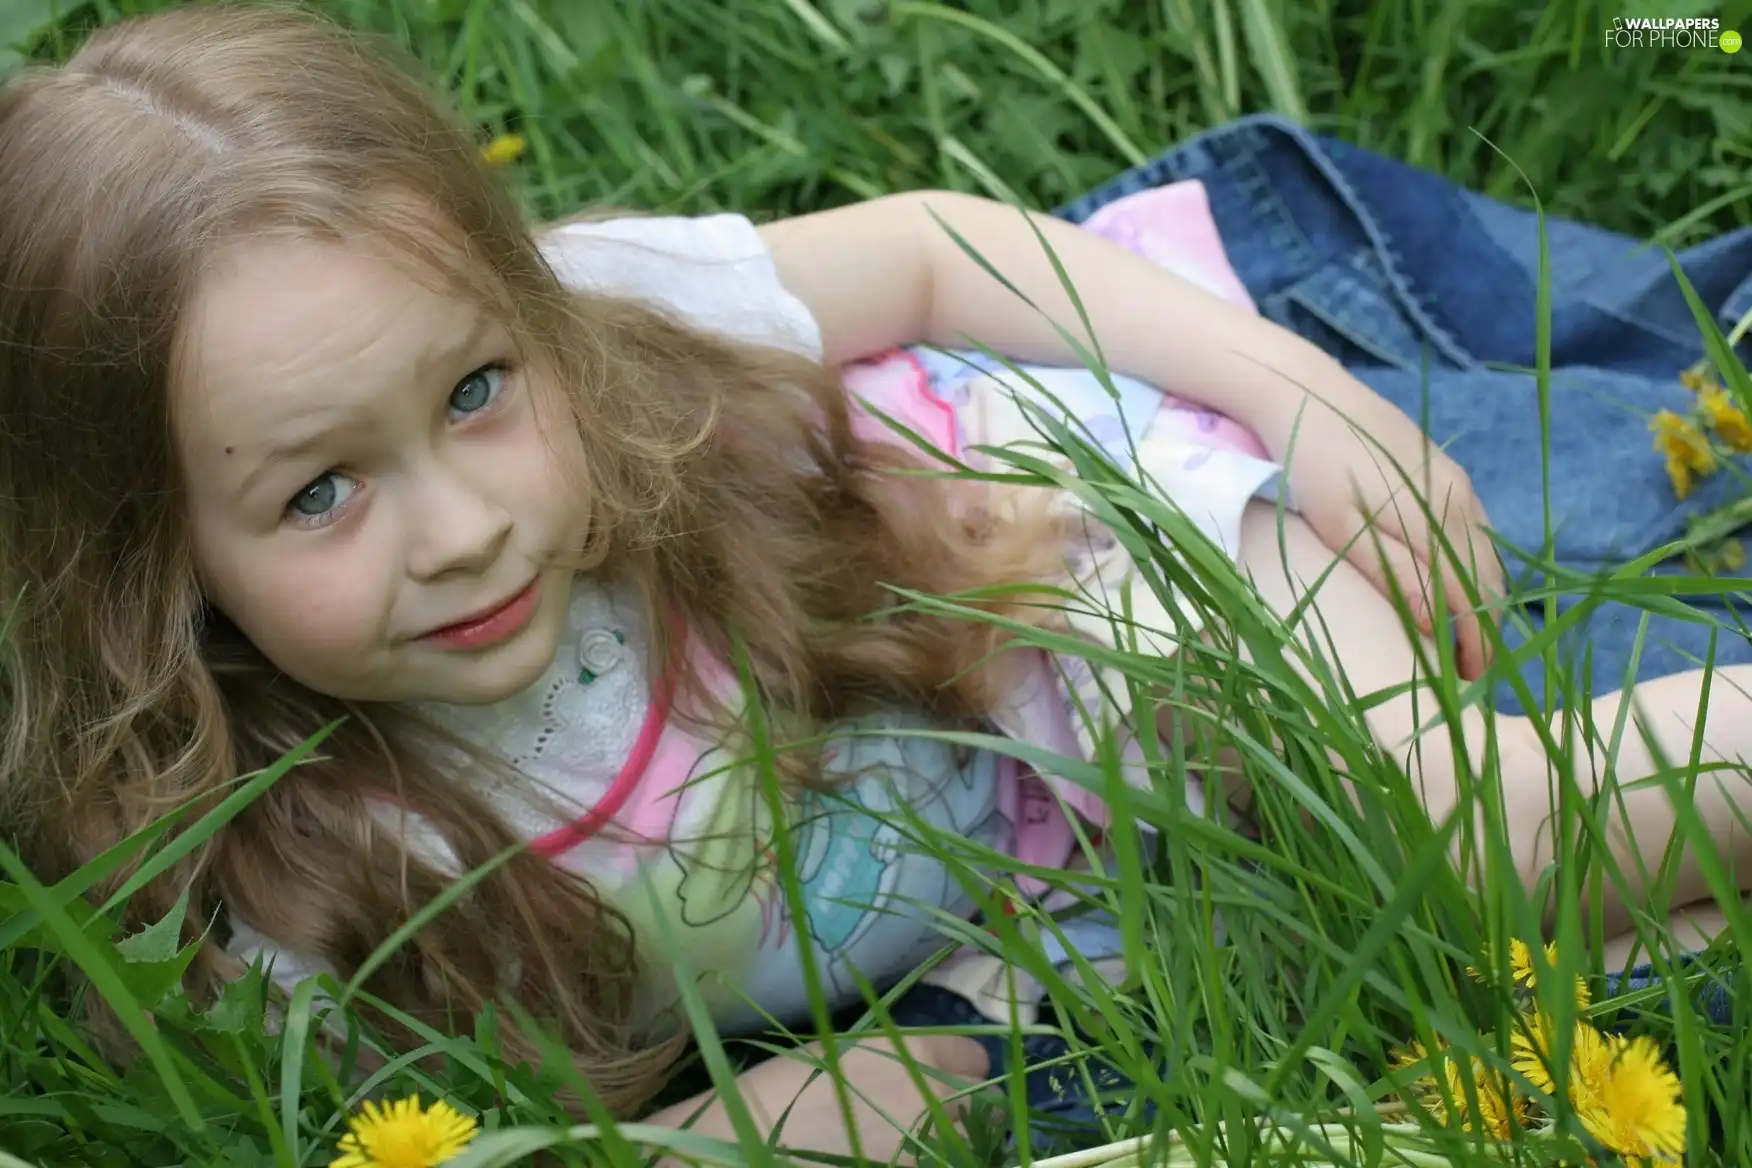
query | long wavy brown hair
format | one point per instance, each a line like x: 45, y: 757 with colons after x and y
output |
x: 124, y: 696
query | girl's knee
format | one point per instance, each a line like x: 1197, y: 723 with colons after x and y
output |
x: 953, y: 1054
x: 947, y: 1054
x: 1498, y: 779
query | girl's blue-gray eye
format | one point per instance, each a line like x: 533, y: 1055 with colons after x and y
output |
x: 477, y: 391
x: 322, y: 495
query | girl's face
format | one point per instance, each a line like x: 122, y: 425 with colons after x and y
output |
x: 373, y: 502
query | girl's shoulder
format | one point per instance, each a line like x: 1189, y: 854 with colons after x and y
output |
x: 714, y: 272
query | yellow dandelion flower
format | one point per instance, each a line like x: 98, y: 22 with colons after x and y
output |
x: 1678, y: 437
x: 1634, y: 1106
x: 1424, y: 1089
x: 1520, y: 962
x: 1726, y: 418
x: 1528, y: 1050
x: 1524, y: 974
x: 402, y: 1135
x: 1696, y: 378
x: 1533, y: 1049
x: 503, y: 150
x: 1679, y: 475
x: 1442, y: 1093
x: 1687, y: 450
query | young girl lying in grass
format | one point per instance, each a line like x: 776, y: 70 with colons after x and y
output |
x: 303, y: 423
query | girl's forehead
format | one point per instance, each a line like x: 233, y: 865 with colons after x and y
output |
x: 270, y: 303
x: 280, y: 329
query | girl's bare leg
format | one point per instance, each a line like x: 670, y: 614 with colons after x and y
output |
x: 1690, y: 928
x: 1359, y: 630
x: 886, y: 1104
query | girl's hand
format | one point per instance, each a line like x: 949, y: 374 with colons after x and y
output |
x: 1374, y: 487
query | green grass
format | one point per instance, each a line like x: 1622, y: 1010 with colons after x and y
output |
x: 1344, y: 938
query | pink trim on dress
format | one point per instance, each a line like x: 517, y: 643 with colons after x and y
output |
x: 897, y: 384
x: 563, y: 839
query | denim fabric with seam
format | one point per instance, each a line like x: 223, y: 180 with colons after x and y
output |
x: 1427, y: 292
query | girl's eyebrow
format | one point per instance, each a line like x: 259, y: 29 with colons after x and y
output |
x: 285, y: 452
x: 466, y: 341
x: 436, y: 358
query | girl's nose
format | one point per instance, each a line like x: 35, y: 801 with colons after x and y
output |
x: 456, y: 528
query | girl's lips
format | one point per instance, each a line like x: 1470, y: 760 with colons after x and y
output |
x: 489, y: 628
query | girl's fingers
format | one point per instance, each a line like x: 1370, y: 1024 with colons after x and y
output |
x: 1391, y: 562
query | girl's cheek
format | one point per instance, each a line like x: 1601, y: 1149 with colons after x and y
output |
x: 324, y: 617
x: 332, y: 625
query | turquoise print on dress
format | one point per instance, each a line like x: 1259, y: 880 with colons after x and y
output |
x: 864, y: 877
x: 868, y: 890
x: 848, y: 862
